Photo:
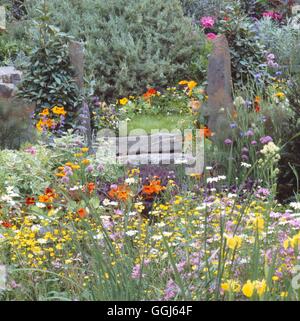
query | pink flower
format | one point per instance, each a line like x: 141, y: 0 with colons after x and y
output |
x: 31, y: 150
x: 273, y: 15
x: 211, y: 36
x: 207, y: 22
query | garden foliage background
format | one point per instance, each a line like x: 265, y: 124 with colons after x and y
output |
x: 75, y: 226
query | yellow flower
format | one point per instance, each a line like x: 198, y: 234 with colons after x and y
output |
x: 123, y: 101
x: 261, y: 287
x: 248, y: 289
x: 59, y: 110
x: 280, y: 95
x: 85, y: 162
x: 183, y: 82
x: 85, y: 149
x: 231, y: 286
x: 45, y: 112
x: 259, y: 224
x: 234, y: 242
x: 192, y: 84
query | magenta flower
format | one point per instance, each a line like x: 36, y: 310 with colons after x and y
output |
x: 273, y: 15
x: 31, y: 150
x: 211, y: 36
x: 207, y: 22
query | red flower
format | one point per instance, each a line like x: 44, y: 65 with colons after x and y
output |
x: 6, y: 224
x: 91, y: 187
x: 30, y: 201
x: 151, y: 92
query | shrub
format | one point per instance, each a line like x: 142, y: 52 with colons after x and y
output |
x: 282, y: 41
x: 8, y: 50
x: 248, y: 54
x: 48, y: 80
x: 289, y: 165
x: 199, y: 8
x: 130, y: 44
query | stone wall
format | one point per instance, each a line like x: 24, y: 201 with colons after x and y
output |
x: 9, y: 78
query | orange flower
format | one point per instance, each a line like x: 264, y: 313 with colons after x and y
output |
x: 44, y: 199
x: 85, y: 162
x: 45, y: 112
x: 91, y: 187
x: 207, y: 132
x: 153, y: 188
x: 82, y: 213
x: 121, y: 193
x: 151, y: 92
x: 257, y: 107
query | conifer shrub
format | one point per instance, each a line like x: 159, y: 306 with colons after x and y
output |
x: 130, y: 44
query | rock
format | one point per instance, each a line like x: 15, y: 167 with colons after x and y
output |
x: 76, y: 53
x: 219, y: 89
x: 2, y: 19
x: 7, y: 90
x: 10, y: 75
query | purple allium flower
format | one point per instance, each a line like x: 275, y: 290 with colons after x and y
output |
x: 65, y: 179
x: 228, y: 141
x: 249, y: 133
x: 245, y: 157
x: 254, y: 142
x: 90, y: 168
x: 266, y: 139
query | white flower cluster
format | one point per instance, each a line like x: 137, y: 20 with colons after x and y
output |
x: 295, y: 205
x: 10, y: 196
x: 270, y: 149
x: 271, y: 155
x: 216, y: 179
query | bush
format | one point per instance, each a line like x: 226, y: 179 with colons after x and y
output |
x: 8, y: 50
x: 49, y: 78
x: 247, y: 53
x: 130, y: 44
x: 282, y: 41
x: 289, y: 165
x: 199, y: 8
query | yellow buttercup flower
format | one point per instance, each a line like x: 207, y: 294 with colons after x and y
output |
x: 123, y: 101
x: 234, y: 242
x: 248, y: 289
